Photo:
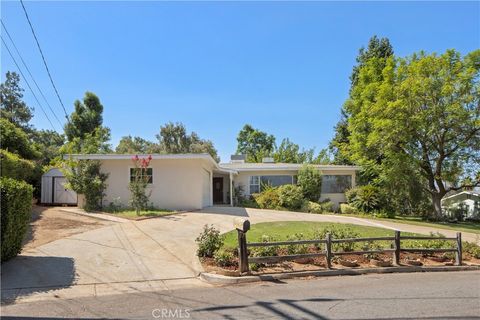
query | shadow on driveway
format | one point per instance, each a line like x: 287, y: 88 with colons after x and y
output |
x: 25, y: 275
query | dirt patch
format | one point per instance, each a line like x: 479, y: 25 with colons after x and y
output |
x: 50, y: 223
x: 318, y: 263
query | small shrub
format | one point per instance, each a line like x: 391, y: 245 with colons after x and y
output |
x: 347, y: 209
x: 209, y: 241
x: 268, y: 199
x: 309, y: 179
x: 14, y: 167
x: 248, y: 203
x: 312, y: 207
x: 366, y: 198
x: 327, y: 206
x: 290, y: 196
x: 265, y: 251
x: 254, y: 266
x: 16, y: 206
x: 297, y: 248
x: 224, y: 258
x: 472, y: 248
x: 338, y: 232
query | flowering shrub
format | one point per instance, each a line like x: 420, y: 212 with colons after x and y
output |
x: 138, y: 184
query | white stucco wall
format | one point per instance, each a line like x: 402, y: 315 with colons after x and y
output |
x: 177, y: 184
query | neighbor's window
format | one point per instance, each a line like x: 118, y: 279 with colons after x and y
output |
x: 275, y: 181
x: 336, y: 183
x: 148, y: 172
x: 254, y: 184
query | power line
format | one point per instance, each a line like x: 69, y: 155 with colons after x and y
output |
x: 28, y: 70
x: 26, y: 81
x: 44, y: 61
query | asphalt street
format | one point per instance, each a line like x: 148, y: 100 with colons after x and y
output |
x: 453, y: 295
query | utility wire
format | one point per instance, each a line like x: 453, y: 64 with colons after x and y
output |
x: 44, y: 61
x: 28, y: 70
x: 26, y: 81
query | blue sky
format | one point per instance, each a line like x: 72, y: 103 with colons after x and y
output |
x: 281, y: 66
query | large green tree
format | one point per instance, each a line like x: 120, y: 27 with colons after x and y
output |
x: 133, y: 145
x: 289, y: 152
x: 420, y: 118
x: 173, y: 138
x: 379, y: 49
x: 255, y: 144
x: 12, y: 107
x: 48, y: 143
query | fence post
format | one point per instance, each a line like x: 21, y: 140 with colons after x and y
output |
x: 458, y: 254
x: 328, y: 253
x: 396, y: 253
x: 242, y: 226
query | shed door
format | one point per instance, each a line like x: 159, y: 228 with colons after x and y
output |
x: 206, y: 189
x: 62, y: 194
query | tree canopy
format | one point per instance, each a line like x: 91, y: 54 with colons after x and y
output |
x: 133, y: 145
x: 173, y: 138
x: 255, y: 144
x: 419, y: 116
x: 12, y: 107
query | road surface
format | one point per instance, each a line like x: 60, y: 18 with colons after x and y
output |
x: 453, y: 295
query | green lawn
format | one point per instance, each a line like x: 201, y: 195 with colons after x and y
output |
x: 473, y: 227
x: 132, y: 214
x: 281, y: 230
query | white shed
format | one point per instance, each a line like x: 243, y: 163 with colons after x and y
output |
x: 54, y: 190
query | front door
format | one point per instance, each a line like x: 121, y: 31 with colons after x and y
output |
x: 218, y: 190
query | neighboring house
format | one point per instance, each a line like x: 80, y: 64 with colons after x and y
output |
x: 466, y: 202
x: 195, y: 181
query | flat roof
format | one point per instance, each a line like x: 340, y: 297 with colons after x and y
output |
x: 283, y: 166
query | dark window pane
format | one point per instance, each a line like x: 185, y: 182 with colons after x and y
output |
x: 275, y: 181
x: 336, y: 183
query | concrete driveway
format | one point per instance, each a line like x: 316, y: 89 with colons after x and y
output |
x: 136, y: 256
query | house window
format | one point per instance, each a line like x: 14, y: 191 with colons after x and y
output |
x: 254, y: 184
x: 145, y: 173
x: 275, y: 181
x: 258, y: 183
x: 336, y: 183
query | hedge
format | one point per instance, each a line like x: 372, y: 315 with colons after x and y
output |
x: 14, y: 167
x: 16, y: 206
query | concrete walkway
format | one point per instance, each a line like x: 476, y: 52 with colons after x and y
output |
x: 136, y: 256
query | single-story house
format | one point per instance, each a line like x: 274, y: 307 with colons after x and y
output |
x: 466, y: 201
x: 195, y: 181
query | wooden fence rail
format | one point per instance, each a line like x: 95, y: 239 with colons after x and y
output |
x: 396, y: 249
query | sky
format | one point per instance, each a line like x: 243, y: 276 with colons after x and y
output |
x: 282, y: 67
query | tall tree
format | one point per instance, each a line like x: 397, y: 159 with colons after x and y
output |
x: 12, y: 107
x: 84, y: 130
x: 48, y: 143
x: 86, y: 118
x: 289, y: 152
x: 133, y: 145
x: 381, y: 50
x: 173, y: 138
x: 255, y: 144
x: 422, y: 115
x: 15, y: 140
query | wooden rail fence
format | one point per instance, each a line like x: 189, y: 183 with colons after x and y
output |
x: 244, y: 258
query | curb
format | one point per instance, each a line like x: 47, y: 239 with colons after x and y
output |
x: 226, y: 280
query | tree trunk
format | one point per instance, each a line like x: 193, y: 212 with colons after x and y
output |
x: 437, y: 205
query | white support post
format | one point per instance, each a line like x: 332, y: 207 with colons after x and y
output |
x: 231, y: 190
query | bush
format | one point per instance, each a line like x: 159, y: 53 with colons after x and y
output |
x: 315, y: 207
x: 290, y: 196
x: 86, y: 178
x: 224, y: 258
x: 347, y: 209
x: 338, y: 232
x: 209, y: 241
x: 365, y: 198
x: 297, y: 248
x: 268, y: 199
x: 472, y: 249
x: 265, y: 251
x: 309, y: 179
x: 14, y: 167
x: 16, y: 206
